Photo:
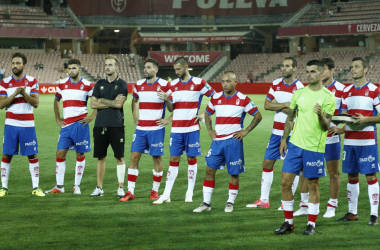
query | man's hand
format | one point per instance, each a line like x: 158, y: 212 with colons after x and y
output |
x: 318, y: 109
x: 20, y: 90
x: 359, y: 118
x: 163, y: 122
x: 212, y: 134
x: 162, y: 95
x: 119, y: 97
x: 85, y: 120
x: 60, y: 122
x: 199, y: 117
x: 334, y: 130
x: 283, y: 148
x: 239, y: 135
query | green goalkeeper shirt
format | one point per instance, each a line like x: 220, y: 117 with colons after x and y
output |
x: 307, y: 133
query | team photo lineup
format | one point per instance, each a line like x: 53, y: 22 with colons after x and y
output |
x: 304, y: 135
x: 189, y: 124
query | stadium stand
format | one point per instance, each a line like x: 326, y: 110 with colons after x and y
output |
x: 23, y: 16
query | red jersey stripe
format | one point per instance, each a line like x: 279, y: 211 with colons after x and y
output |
x: 228, y: 120
x: 151, y: 105
x: 73, y: 103
x: 70, y: 120
x: 20, y: 117
x: 186, y: 105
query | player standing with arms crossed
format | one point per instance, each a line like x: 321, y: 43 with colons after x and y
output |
x: 360, y: 152
x: 150, y: 130
x: 75, y: 130
x: 108, y: 98
x: 230, y: 107
x: 314, y: 106
x: 19, y: 94
x: 186, y: 97
x: 278, y: 100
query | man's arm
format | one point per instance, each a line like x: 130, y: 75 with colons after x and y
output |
x: 89, y: 118
x: 255, y: 121
x: 57, y: 113
x: 103, y: 103
x: 5, y: 101
x: 288, y: 127
x: 211, y: 132
x: 162, y: 95
x: 324, y: 119
x: 135, y: 110
x: 33, y: 99
x: 165, y: 121
x: 275, y: 106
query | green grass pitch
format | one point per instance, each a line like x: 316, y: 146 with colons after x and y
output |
x: 68, y: 221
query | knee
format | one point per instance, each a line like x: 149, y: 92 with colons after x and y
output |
x: 313, y: 187
x: 334, y: 175
x: 286, y: 185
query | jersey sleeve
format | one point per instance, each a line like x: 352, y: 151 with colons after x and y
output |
x: 206, y: 89
x: 293, y: 102
x: 330, y: 105
x: 210, y: 109
x: 376, y: 100
x: 270, y: 95
x: 89, y: 93
x: 58, y: 95
x: 135, y: 93
x: 250, y: 107
x: 96, y: 90
x: 35, y: 88
x: 3, y: 91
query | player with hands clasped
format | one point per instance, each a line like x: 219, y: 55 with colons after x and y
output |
x: 360, y: 151
x: 74, y: 92
x: 314, y: 106
x: 230, y: 107
x: 19, y: 94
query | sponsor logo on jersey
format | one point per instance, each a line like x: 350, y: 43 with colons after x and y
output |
x: 160, y: 145
x: 195, y: 145
x: 236, y: 163
x: 32, y: 143
x: 370, y: 158
x: 318, y: 163
x: 82, y: 143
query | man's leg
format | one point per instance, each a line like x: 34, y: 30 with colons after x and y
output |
x: 287, y: 202
x: 157, y: 176
x: 133, y: 173
x: 208, y: 188
x: 34, y: 169
x: 332, y: 204
x: 5, y: 170
x: 170, y: 179
x: 192, y: 170
x: 373, y: 193
x: 100, y: 171
x: 304, y: 190
x: 60, y: 168
x: 120, y: 169
x: 314, y: 199
x: 79, y: 170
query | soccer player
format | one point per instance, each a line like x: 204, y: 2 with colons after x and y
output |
x: 360, y: 152
x: 75, y: 130
x: 230, y: 107
x: 108, y: 98
x: 185, y: 99
x: 278, y: 100
x: 314, y: 106
x: 19, y: 94
x: 332, y: 153
x: 150, y: 131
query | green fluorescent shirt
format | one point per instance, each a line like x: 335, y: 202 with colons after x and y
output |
x: 307, y: 133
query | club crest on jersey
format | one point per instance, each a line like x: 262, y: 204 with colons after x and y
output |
x: 192, y: 87
x: 142, y: 88
x: 278, y: 88
x: 333, y: 91
x: 10, y: 85
x: 158, y: 88
x: 294, y: 90
x: 349, y: 94
x: 81, y: 86
x: 66, y: 86
x: 366, y: 92
x: 26, y: 82
x: 237, y: 101
x: 101, y: 87
x: 116, y: 87
x: 176, y: 89
x: 220, y: 102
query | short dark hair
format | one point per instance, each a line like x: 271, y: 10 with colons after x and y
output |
x: 74, y: 61
x: 364, y: 61
x: 317, y: 63
x: 181, y: 60
x: 23, y: 57
x: 154, y: 62
x: 329, y: 62
x: 294, y: 61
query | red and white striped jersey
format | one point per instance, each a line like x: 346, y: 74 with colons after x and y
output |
x: 281, y: 92
x: 74, y: 98
x: 230, y: 113
x: 337, y: 89
x: 186, y: 98
x: 365, y: 101
x: 19, y: 112
x: 151, y: 108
